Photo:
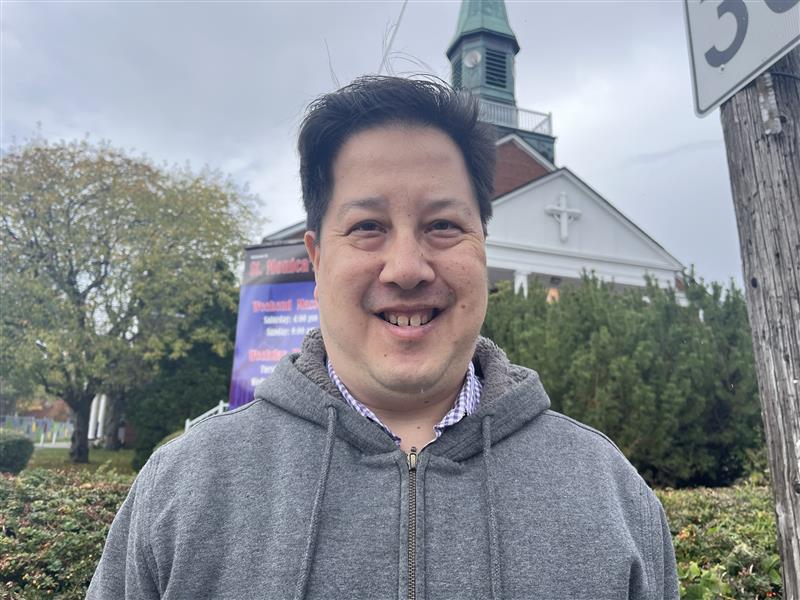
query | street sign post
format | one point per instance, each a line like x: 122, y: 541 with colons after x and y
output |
x: 732, y: 41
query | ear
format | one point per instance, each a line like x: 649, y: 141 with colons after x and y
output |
x: 312, y: 248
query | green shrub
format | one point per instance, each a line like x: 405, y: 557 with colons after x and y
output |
x: 672, y: 383
x: 15, y: 451
x: 725, y: 542
x: 52, y: 528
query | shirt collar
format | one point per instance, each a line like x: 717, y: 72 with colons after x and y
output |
x: 466, y: 403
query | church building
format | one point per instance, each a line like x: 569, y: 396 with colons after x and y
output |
x: 548, y: 223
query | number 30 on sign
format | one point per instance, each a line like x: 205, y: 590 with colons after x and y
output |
x: 733, y: 41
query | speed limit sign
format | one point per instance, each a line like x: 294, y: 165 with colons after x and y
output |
x: 733, y: 41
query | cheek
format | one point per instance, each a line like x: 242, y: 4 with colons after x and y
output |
x: 468, y: 279
x: 351, y: 264
x: 344, y: 284
x: 474, y: 306
x: 338, y: 274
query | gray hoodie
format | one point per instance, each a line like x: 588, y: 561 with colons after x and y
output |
x: 296, y: 495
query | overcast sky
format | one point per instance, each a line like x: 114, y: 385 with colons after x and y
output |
x: 225, y: 84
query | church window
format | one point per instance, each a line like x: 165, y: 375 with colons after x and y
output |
x: 496, y: 68
x: 457, y: 73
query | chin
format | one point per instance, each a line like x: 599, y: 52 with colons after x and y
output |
x: 409, y: 379
x: 407, y: 388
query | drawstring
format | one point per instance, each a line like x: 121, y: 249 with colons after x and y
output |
x: 494, y: 548
x: 311, y: 541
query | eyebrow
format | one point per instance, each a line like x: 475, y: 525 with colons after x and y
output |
x: 378, y: 203
x: 373, y: 203
x: 437, y: 205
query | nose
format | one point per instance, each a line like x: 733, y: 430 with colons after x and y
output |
x: 406, y: 264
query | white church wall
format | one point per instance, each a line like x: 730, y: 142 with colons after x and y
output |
x: 514, y: 258
x: 558, y: 226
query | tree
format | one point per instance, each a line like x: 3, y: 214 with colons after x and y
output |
x: 184, y: 387
x: 10, y: 397
x: 107, y: 262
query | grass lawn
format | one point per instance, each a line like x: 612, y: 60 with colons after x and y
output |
x: 58, y: 458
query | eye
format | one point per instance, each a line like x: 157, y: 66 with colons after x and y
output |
x: 366, y: 227
x: 445, y: 226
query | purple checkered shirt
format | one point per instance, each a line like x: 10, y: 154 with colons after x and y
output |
x: 467, y: 402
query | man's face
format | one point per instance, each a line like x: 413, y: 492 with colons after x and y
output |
x: 400, y: 265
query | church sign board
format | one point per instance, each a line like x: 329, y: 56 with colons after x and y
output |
x: 276, y: 309
x: 731, y: 42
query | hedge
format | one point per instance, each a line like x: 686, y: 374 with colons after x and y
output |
x: 15, y: 451
x: 53, y: 525
x: 52, y: 528
x: 725, y: 542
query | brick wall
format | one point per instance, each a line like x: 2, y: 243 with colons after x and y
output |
x: 515, y: 168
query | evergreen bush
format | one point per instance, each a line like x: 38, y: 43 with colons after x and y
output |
x: 15, y: 451
x: 673, y: 385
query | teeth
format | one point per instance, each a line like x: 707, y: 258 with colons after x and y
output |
x: 409, y: 321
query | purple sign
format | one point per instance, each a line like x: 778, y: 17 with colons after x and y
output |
x: 276, y: 309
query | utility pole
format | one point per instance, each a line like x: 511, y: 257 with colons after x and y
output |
x: 761, y: 125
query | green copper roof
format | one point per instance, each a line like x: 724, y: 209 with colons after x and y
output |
x: 483, y: 15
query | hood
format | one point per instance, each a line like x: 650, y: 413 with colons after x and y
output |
x: 512, y: 396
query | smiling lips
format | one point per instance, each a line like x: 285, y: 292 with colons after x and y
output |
x: 414, y: 318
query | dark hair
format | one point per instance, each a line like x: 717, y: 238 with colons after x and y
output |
x: 373, y: 101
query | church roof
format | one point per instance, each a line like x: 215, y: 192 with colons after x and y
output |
x: 612, y: 230
x: 483, y: 16
x: 294, y: 231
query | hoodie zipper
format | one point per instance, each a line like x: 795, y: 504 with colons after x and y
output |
x: 412, y: 524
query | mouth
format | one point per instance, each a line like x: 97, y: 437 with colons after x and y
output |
x: 409, y: 318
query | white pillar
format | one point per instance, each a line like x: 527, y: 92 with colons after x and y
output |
x: 521, y: 282
x: 101, y: 415
x: 93, y: 418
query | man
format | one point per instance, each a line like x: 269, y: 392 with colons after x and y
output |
x: 399, y: 455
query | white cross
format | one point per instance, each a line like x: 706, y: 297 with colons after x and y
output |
x: 563, y: 215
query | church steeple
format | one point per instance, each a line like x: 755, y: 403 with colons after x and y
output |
x: 483, y: 50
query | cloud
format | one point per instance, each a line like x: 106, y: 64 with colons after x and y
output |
x: 683, y: 149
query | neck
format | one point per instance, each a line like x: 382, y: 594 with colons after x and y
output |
x: 411, y: 416
x: 414, y: 424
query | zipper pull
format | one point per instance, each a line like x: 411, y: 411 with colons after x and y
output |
x: 412, y: 460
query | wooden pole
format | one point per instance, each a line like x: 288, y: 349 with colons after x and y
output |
x: 761, y: 124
